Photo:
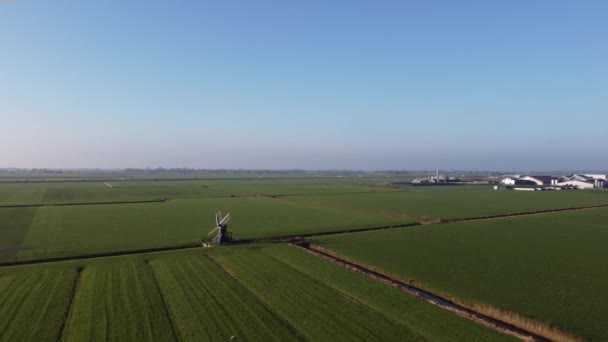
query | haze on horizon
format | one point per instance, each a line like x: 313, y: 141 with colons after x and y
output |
x: 308, y: 85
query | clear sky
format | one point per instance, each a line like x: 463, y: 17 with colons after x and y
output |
x: 312, y: 84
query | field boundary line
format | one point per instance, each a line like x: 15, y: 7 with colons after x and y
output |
x: 273, y: 239
x: 68, y: 311
x: 97, y: 255
x: 523, y: 213
x: 163, y: 300
x: 36, y: 205
x: 292, y: 237
x: 290, y: 326
x: 449, y: 304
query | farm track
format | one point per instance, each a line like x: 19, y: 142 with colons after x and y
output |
x: 425, y: 295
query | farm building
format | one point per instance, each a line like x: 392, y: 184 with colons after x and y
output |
x: 597, y: 176
x: 577, y: 184
x: 577, y: 181
x: 537, y: 180
x: 509, y: 180
x: 584, y: 181
x: 437, y: 178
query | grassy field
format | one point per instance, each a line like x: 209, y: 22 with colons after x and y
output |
x: 204, y: 301
x: 33, y: 305
x: 89, y: 192
x: 117, y: 301
x: 548, y: 267
x: 75, y: 230
x: 251, y: 293
x: 424, y: 321
x: 14, y: 226
x: 453, y: 203
x: 120, y: 191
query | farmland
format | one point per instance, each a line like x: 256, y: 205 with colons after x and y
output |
x: 40, y: 193
x: 452, y: 203
x: 252, y: 293
x: 73, y: 230
x: 548, y: 267
x: 34, y: 304
x: 544, y: 267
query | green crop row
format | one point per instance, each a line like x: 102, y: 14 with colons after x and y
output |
x: 33, y: 305
x: 254, y: 293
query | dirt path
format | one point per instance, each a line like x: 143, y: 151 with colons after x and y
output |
x: 478, y: 317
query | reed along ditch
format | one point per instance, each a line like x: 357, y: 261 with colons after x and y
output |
x: 446, y: 304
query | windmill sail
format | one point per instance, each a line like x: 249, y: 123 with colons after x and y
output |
x: 225, y: 220
x: 213, y: 231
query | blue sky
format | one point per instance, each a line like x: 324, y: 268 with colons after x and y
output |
x: 309, y: 84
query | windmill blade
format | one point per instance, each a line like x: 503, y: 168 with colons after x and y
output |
x: 214, y: 229
x: 218, y: 218
x: 217, y: 238
x: 225, y: 219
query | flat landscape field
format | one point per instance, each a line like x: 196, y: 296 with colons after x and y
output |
x: 548, y: 267
x: 57, y: 231
x: 551, y: 267
x: 37, y: 193
x: 246, y: 293
x: 422, y: 203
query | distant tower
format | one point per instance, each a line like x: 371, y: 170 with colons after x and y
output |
x: 437, y: 177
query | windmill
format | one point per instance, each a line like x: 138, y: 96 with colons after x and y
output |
x: 221, y: 226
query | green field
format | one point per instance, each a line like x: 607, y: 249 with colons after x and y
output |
x: 117, y: 301
x: 421, y: 320
x: 121, y: 191
x: 14, y: 226
x: 74, y: 230
x: 33, y: 304
x: 549, y: 267
x: 98, y: 192
x: 252, y: 293
x: 429, y: 203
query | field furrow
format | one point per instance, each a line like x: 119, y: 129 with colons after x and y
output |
x: 117, y: 301
x: 33, y: 305
x: 319, y: 311
x: 207, y: 304
x: 423, y: 319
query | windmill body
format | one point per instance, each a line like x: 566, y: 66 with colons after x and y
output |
x: 221, y: 229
